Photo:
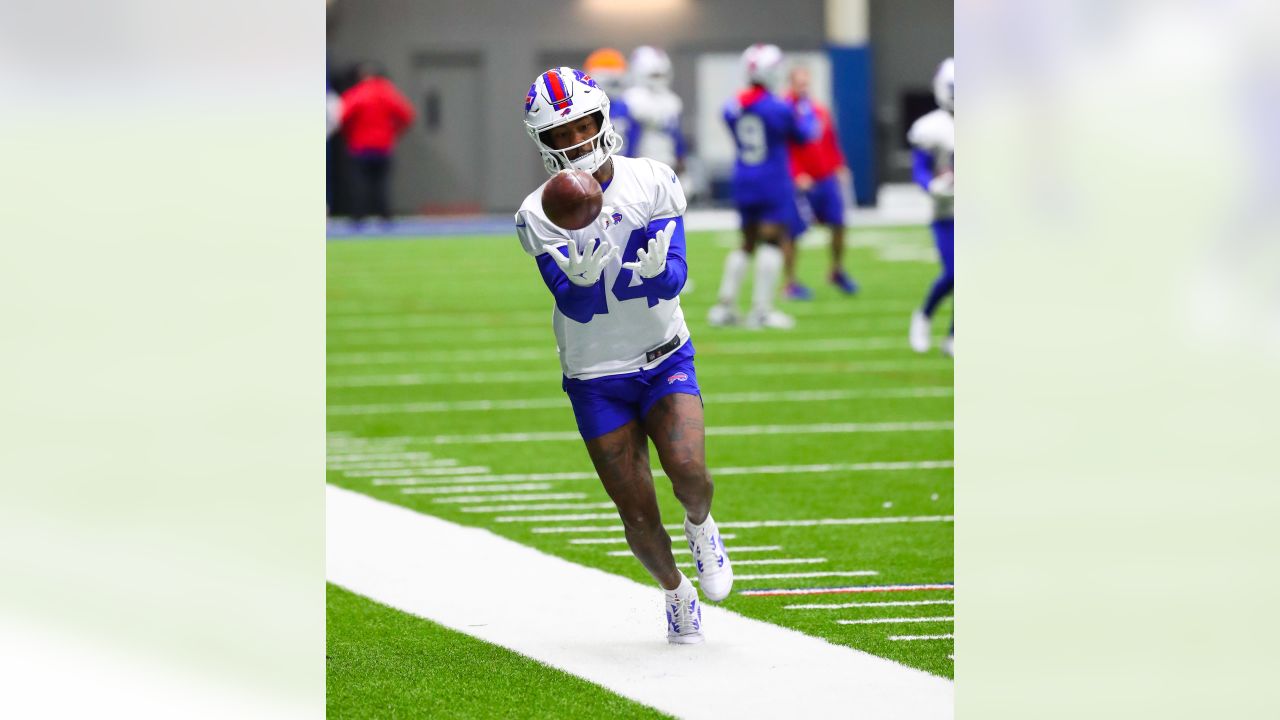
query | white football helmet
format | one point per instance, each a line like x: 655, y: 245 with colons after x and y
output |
x: 762, y: 65
x: 651, y: 66
x: 944, y: 85
x: 562, y: 95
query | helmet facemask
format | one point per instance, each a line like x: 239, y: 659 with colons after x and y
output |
x: 602, y: 145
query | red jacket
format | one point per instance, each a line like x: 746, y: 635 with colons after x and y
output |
x: 374, y: 114
x: 821, y: 158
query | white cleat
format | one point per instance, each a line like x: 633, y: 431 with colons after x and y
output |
x: 775, y: 319
x: 715, y: 574
x: 722, y: 315
x: 949, y: 346
x: 684, y: 614
x: 919, y: 332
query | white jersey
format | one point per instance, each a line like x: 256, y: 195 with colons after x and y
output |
x: 655, y: 115
x: 935, y: 133
x: 616, y: 342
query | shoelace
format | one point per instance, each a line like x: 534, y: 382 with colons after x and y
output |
x: 683, y: 618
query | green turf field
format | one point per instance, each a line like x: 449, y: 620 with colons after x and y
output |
x: 386, y: 664
x: 444, y: 396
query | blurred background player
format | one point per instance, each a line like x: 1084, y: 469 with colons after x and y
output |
x: 608, y: 68
x: 818, y: 169
x: 374, y: 116
x: 625, y: 350
x: 932, y: 138
x: 654, y: 110
x: 762, y: 124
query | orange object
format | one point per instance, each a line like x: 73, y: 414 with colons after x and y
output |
x: 607, y: 60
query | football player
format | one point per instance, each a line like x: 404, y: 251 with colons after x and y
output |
x: 762, y: 124
x: 654, y: 110
x: 817, y: 168
x: 933, y: 139
x: 624, y: 347
x: 608, y: 68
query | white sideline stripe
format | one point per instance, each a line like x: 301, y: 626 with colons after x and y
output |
x: 539, y: 506
x: 416, y: 472
x: 948, y: 636
x: 686, y: 551
x: 543, y: 376
x: 715, y: 472
x: 407, y: 357
x: 773, y: 561
x: 507, y: 498
x: 464, y: 489
x: 715, y: 431
x: 622, y: 540
x: 888, y: 603
x: 926, y: 391
x: 374, y: 549
x: 788, y: 576
x: 886, y: 621
x: 393, y: 464
x: 760, y: 523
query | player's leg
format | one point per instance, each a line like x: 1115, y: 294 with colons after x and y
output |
x: 921, y: 320
x: 770, y: 261
x: 621, y: 458
x: 676, y: 426
x: 725, y: 311
x: 827, y: 201
x: 795, y: 226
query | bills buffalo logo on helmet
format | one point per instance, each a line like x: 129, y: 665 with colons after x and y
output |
x: 528, y: 99
x: 677, y: 376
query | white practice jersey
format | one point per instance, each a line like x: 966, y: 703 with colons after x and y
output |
x: 655, y: 115
x: 935, y: 134
x: 616, y: 342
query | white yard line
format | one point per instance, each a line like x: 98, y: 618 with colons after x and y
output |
x: 618, y: 636
x: 714, y: 431
x: 924, y: 391
x: 508, y: 498
x: 467, y: 489
x: 686, y: 551
x: 715, y: 472
x: 790, y: 576
x: 752, y: 523
x: 538, y: 506
x: 550, y: 376
x: 418, y: 472
x: 890, y: 603
x: 845, y: 590
x: 410, y: 357
x: 948, y: 636
x: 392, y: 464
x: 887, y: 621
x: 771, y: 561
x: 622, y: 540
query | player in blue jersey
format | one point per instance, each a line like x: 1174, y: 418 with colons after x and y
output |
x: 625, y: 351
x: 933, y: 139
x: 762, y: 125
x: 608, y: 68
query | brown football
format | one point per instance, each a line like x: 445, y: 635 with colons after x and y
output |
x: 572, y: 199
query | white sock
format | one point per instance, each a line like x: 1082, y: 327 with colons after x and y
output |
x: 768, y: 271
x: 689, y: 523
x: 683, y: 589
x: 735, y: 268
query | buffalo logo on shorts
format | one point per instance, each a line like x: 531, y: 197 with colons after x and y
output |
x: 677, y: 376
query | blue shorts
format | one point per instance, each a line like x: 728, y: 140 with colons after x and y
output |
x: 776, y: 208
x: 826, y: 201
x: 602, y: 405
